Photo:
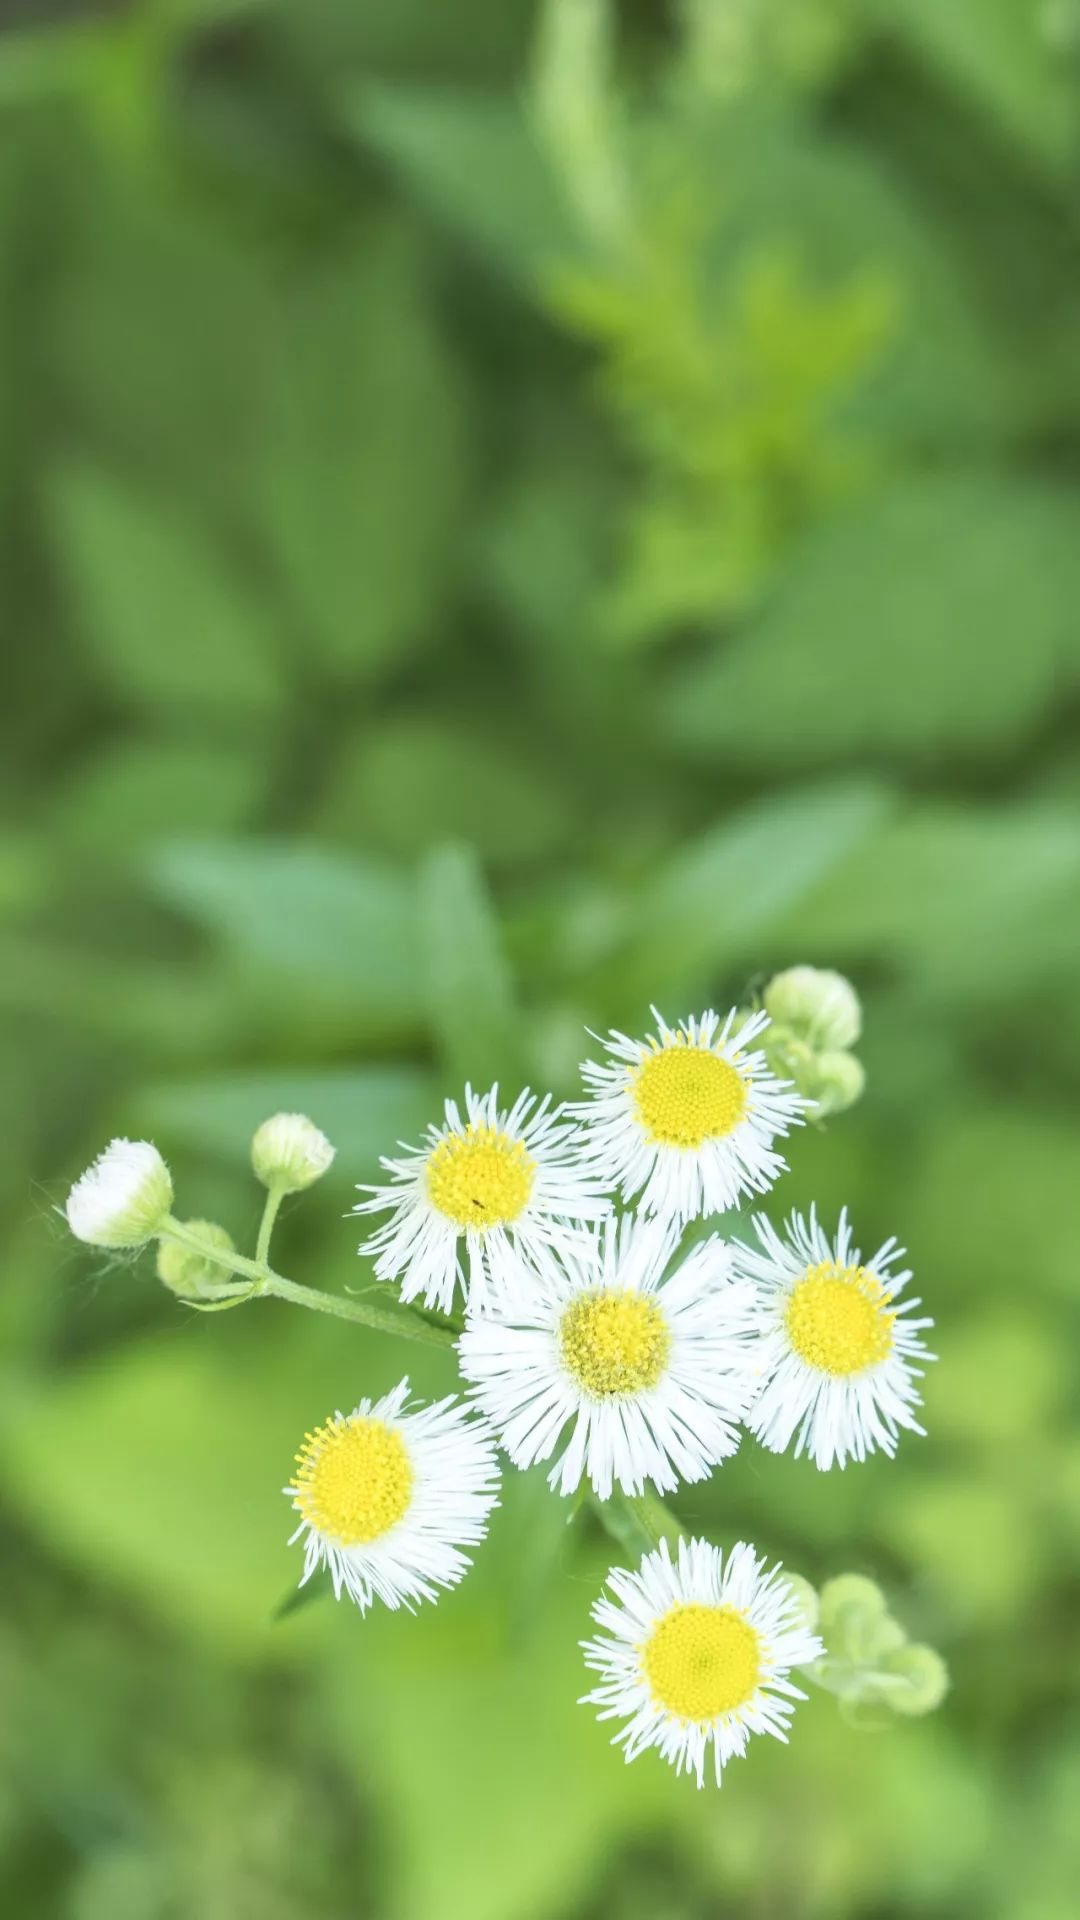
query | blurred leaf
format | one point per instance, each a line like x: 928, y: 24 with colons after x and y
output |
x: 719, y: 894
x: 911, y: 608
x: 169, y: 623
x: 953, y: 892
x: 449, y: 777
x: 475, y: 162
x: 303, y: 912
x: 1015, y: 59
x: 941, y: 375
x: 365, y: 467
x: 158, y: 1427
x: 469, y: 987
x: 138, y: 790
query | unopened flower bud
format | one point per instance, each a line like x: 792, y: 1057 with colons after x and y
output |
x: 927, y: 1679
x: 189, y: 1274
x: 123, y: 1199
x: 289, y: 1152
x: 853, y: 1614
x: 821, y: 1007
x: 836, y: 1082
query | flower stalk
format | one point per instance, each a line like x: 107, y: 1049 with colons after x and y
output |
x: 264, y: 1281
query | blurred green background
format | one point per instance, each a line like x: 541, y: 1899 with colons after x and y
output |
x: 507, y: 515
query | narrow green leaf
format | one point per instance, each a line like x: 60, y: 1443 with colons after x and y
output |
x: 469, y: 987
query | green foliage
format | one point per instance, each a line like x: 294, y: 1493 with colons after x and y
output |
x: 509, y: 514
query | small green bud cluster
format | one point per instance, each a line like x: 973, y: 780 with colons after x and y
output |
x: 816, y: 1020
x: 869, y: 1660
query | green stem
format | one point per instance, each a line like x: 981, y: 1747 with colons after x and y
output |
x: 344, y: 1307
x: 386, y: 1320
x: 274, y: 1197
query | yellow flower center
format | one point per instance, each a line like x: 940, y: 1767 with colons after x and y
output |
x: 837, y: 1319
x: 686, y: 1095
x: 614, y: 1343
x: 701, y: 1661
x: 353, y: 1480
x: 480, y: 1178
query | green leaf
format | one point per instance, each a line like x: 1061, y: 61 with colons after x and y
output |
x: 452, y: 778
x: 302, y: 912
x: 170, y: 623
x: 163, y: 1429
x: 1006, y: 54
x: 952, y: 892
x: 475, y: 161
x: 897, y: 630
x: 141, y: 789
x: 722, y: 893
x: 366, y: 459
x: 469, y: 988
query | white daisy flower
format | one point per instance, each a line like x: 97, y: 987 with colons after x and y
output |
x: 686, y: 1119
x: 838, y: 1351
x: 123, y: 1199
x: 696, y: 1652
x: 388, y: 1498
x: 482, y: 1191
x: 652, y: 1374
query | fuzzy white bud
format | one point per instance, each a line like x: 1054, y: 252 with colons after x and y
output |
x: 290, y: 1153
x: 819, y: 1006
x: 123, y: 1199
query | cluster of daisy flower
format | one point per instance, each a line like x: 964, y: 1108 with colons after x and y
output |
x: 549, y: 1245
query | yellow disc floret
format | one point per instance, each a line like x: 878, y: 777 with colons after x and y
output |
x: 480, y: 1178
x: 702, y: 1661
x: 614, y: 1343
x: 685, y: 1095
x: 837, y: 1319
x: 353, y: 1479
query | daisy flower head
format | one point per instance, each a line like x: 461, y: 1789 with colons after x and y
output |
x: 389, y: 1496
x: 839, y: 1353
x: 485, y: 1188
x: 685, y: 1120
x: 649, y: 1371
x: 694, y: 1654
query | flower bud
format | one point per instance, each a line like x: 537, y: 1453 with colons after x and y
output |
x: 852, y: 1609
x: 836, y: 1082
x: 289, y: 1153
x: 190, y: 1274
x: 926, y: 1677
x: 820, y: 1006
x: 124, y: 1199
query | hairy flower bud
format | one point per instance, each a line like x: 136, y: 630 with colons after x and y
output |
x: 189, y: 1274
x: 123, y: 1199
x: 289, y: 1152
x: 819, y: 1006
